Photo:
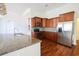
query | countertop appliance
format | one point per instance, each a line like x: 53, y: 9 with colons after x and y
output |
x: 37, y: 31
x: 65, y: 33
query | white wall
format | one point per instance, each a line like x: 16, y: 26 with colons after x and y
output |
x: 14, y: 21
x: 7, y: 24
x: 64, y: 9
x: 21, y: 14
x: 37, y: 13
x: 27, y: 17
x: 77, y: 29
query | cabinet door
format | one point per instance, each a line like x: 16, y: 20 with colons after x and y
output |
x: 33, y: 22
x: 55, y: 21
x: 61, y: 19
x: 69, y: 16
x: 52, y: 36
x: 48, y: 23
x: 51, y: 23
x: 66, y: 17
x: 38, y: 21
x: 33, y: 35
x: 44, y: 22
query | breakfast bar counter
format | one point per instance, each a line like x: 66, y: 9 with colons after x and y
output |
x: 19, y: 45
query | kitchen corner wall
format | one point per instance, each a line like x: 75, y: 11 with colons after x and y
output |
x: 64, y: 9
x: 77, y: 28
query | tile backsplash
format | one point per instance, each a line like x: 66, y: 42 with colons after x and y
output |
x: 46, y: 29
x: 50, y: 29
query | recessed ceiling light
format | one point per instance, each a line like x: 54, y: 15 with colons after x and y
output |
x: 46, y: 5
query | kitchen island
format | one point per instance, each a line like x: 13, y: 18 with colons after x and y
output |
x: 19, y: 45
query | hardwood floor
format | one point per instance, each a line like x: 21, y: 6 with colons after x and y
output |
x: 76, y: 50
x: 49, y: 48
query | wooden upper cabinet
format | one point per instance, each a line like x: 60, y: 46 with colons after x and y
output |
x: 54, y: 21
x: 33, y: 22
x: 38, y: 21
x: 44, y: 22
x: 61, y: 18
x: 48, y: 23
x: 51, y: 23
x: 69, y: 16
x: 66, y: 17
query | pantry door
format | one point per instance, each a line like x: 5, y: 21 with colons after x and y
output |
x: 27, y: 16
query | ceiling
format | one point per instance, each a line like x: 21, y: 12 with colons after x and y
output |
x: 39, y: 7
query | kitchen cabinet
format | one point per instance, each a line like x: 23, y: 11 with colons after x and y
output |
x: 48, y: 23
x: 44, y: 20
x: 38, y: 21
x: 33, y: 35
x: 33, y: 22
x: 61, y: 19
x: 66, y: 17
x: 55, y: 21
x: 52, y: 36
x: 69, y: 16
x: 52, y: 23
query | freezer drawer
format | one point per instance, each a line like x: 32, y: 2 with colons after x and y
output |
x: 65, y: 38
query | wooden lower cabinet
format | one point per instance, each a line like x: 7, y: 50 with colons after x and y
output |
x: 33, y: 35
x: 53, y: 36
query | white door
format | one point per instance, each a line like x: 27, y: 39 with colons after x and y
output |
x: 27, y: 16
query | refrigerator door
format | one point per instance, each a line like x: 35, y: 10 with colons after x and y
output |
x: 65, y: 35
x: 67, y: 26
x: 60, y: 25
x: 65, y: 38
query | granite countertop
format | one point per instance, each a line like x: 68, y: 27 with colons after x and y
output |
x: 9, y: 43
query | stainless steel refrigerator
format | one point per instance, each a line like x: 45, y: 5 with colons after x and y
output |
x: 65, y: 33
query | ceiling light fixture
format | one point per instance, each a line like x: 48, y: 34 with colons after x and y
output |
x: 46, y: 5
x: 2, y: 9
